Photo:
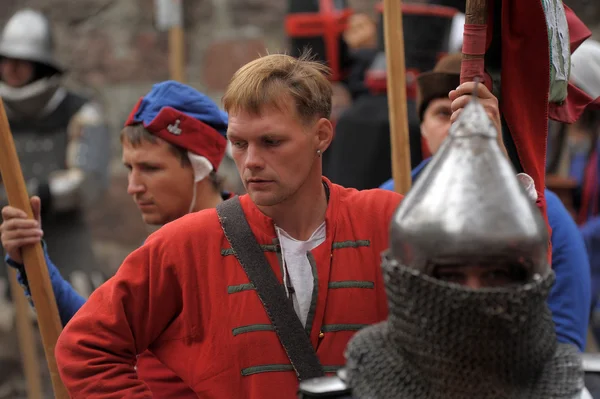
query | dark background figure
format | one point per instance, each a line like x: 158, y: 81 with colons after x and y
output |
x: 62, y: 141
x: 360, y: 155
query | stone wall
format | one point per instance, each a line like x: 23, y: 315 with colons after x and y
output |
x: 113, y: 47
x: 115, y: 53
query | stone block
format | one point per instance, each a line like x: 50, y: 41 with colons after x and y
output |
x: 223, y: 57
x: 262, y: 13
x: 587, y: 10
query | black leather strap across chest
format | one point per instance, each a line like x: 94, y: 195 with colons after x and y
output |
x: 280, y: 310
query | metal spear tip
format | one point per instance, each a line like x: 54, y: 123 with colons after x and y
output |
x: 473, y: 121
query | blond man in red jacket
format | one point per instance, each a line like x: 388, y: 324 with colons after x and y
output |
x: 184, y: 295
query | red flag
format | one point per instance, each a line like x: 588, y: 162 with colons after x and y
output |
x: 525, y: 80
x: 577, y: 100
x: 572, y: 108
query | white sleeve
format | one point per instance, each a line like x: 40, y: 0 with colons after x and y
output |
x: 585, y: 394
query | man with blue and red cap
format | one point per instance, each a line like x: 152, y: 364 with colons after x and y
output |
x: 173, y: 143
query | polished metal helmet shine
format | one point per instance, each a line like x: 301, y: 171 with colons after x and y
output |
x: 468, y: 207
x: 28, y: 36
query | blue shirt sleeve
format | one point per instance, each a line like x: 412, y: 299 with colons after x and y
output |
x: 570, y: 298
x: 388, y: 185
x: 68, y: 300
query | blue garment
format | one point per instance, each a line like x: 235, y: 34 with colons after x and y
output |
x: 389, y: 185
x: 570, y: 297
x: 68, y: 300
x: 577, y: 169
x: 591, y: 236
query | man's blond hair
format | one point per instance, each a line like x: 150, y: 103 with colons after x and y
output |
x: 267, y: 81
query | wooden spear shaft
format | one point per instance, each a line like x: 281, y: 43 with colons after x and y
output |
x: 476, y: 12
x: 27, y: 343
x: 473, y: 53
x: 177, y: 53
x: 33, y: 255
x: 396, y: 93
x: 169, y: 16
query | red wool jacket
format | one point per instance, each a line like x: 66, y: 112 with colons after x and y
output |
x: 184, y: 296
x: 163, y: 383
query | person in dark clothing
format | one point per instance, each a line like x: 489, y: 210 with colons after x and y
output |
x: 360, y: 154
x: 62, y: 140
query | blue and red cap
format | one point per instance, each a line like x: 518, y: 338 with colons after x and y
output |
x: 181, y: 115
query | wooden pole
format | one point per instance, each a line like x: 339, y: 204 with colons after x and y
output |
x: 177, y: 53
x: 27, y: 342
x: 474, y: 40
x: 396, y: 92
x: 33, y: 255
x: 476, y: 12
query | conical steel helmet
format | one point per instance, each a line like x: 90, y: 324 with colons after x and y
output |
x: 468, y: 206
x: 28, y: 36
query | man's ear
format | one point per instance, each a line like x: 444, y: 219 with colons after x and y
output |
x: 424, y: 132
x: 324, y: 134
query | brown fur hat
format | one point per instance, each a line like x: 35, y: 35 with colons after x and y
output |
x: 439, y: 82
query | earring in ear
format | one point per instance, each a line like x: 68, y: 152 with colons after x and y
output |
x: 318, y: 153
